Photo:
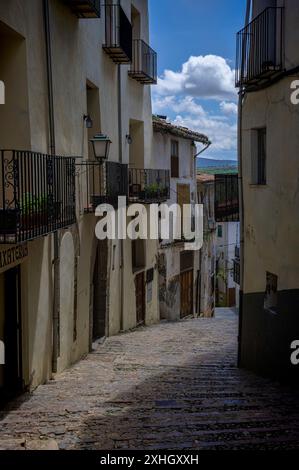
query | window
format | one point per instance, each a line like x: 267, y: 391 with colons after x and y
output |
x: 271, y: 297
x: 175, y: 171
x: 219, y: 231
x: 259, y: 152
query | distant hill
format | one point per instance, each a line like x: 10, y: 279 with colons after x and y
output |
x: 208, y: 165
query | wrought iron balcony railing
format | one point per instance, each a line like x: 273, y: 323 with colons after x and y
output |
x: 260, y: 48
x: 102, y: 183
x: 85, y: 8
x: 149, y: 186
x: 144, y: 65
x: 118, y: 35
x: 37, y: 195
x: 227, y: 198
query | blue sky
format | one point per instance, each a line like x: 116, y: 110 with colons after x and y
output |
x: 199, y: 94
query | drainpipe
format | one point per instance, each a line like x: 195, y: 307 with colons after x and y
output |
x: 203, y: 150
x: 241, y: 201
x: 120, y: 151
x: 56, y: 260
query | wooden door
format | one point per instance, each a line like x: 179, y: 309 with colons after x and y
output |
x: 140, y: 298
x: 186, y: 282
x: 100, y: 292
x: 183, y: 195
x: 13, y: 377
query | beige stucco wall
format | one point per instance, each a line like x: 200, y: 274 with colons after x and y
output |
x: 271, y: 211
x: 78, y: 58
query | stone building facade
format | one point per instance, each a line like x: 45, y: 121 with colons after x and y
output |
x: 174, y: 147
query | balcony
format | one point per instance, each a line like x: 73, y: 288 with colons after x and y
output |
x: 102, y: 183
x: 144, y: 65
x: 260, y: 48
x: 227, y: 198
x: 118, y: 35
x: 37, y: 195
x: 85, y: 8
x: 149, y: 186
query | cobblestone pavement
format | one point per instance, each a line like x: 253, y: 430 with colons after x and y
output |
x: 169, y: 386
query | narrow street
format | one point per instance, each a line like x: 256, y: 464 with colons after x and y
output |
x: 169, y: 386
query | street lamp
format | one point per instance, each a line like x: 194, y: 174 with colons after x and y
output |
x: 101, y: 146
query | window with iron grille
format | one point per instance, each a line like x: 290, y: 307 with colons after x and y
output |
x: 175, y: 167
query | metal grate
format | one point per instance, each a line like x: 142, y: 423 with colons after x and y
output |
x: 103, y: 183
x: 227, y: 198
x: 37, y: 194
x: 260, y: 48
x: 144, y: 65
x: 149, y: 186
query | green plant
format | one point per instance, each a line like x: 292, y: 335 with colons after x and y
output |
x: 153, y: 188
x: 30, y: 204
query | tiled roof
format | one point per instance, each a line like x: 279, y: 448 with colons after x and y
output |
x: 205, y: 178
x: 164, y: 126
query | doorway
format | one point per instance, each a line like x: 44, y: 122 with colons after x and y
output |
x: 99, y: 287
x: 140, y: 298
x: 186, y: 282
x: 11, y: 375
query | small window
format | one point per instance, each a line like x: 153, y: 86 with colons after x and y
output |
x: 219, y: 231
x: 271, y: 297
x: 259, y: 152
x: 175, y: 171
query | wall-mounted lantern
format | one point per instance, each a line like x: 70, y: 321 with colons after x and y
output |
x: 129, y: 139
x: 88, y: 121
x: 101, y: 146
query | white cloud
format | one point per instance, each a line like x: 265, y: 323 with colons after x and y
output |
x: 229, y: 108
x: 186, y: 104
x: 221, y: 129
x: 207, y: 77
x: 221, y: 133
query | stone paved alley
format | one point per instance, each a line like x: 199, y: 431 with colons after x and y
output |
x: 169, y: 386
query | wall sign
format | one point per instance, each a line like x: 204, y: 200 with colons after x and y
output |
x: 12, y: 255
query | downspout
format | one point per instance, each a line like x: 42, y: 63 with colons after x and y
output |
x: 120, y: 152
x: 241, y: 201
x: 203, y: 150
x: 199, y: 274
x: 56, y: 260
